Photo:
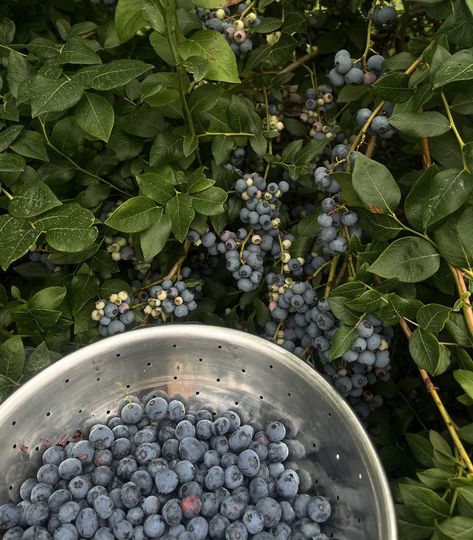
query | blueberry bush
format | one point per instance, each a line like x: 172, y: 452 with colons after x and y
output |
x: 296, y: 169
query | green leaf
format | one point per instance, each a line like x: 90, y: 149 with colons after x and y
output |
x: 448, y: 191
x: 84, y: 288
x: 424, y: 124
x: 68, y: 227
x: 349, y: 94
x: 160, y: 89
x: 48, y: 298
x: 31, y: 199
x: 10, y: 163
x: 421, y: 448
x: 380, y: 226
x: 221, y: 148
x: 459, y: 67
x: 12, y: 358
x: 77, y: 51
x: 375, y: 185
x: 465, y: 379
x: 190, y: 143
x: 432, y: 317
x: 209, y: 4
x: 153, y: 240
x: 418, y: 196
x: 197, y: 66
x: 425, y: 350
x: 457, y: 528
x: 198, y: 183
x: 112, y: 75
x: 52, y: 95
x: 243, y: 117
x: 424, y: 502
x: 213, y: 47
x: 18, y: 71
x: 454, y: 239
x: 15, y: 240
x: 8, y: 135
x: 157, y: 185
x: 458, y: 329
x: 7, y: 31
x: 181, y: 213
x: 210, y: 201
x: 434, y: 478
x: 342, y: 340
x: 30, y: 144
x: 39, y: 359
x: 410, y: 259
x: 44, y: 48
x: 393, y: 87
x: 134, y: 215
x: 130, y: 16
x: 95, y: 116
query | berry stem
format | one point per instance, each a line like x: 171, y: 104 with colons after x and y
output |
x: 7, y: 194
x: 368, y: 33
x: 331, y: 275
x: 176, y: 268
x: 441, y: 407
x: 463, y: 291
x: 461, y: 142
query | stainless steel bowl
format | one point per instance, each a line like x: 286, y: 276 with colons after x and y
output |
x: 215, y: 366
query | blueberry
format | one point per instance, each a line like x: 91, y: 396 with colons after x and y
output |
x: 130, y: 495
x: 278, y: 451
x: 319, y: 509
x: 288, y: 514
x: 58, y: 498
x: 211, y: 458
x: 69, y: 468
x: 166, y: 481
x: 115, y: 327
x: 36, y: 532
x: 217, y: 527
x: 236, y: 531
x: 123, y: 530
x: 184, y: 429
x: 154, y: 526
x: 101, y: 437
x: 54, y: 455
x: 185, y: 471
x: 48, y: 474
x: 191, y: 505
x: 275, y: 431
x: 68, y: 512
x: 343, y: 62
x: 233, y: 508
x: 258, y: 489
x: 249, y: 463
x: 191, y: 449
x: 131, y: 413
x: 354, y: 76
x: 300, y: 505
x: 228, y: 459
x: 253, y: 521
x: 170, y: 449
x: 233, y: 477
x: 150, y: 505
x: 103, y: 533
x: 198, y: 527
x: 210, y: 504
x: 365, y: 329
x: 79, y: 486
x: 240, y: 439
x: 120, y: 448
x: 221, y: 426
x: 156, y: 408
x: 288, y: 484
x: 172, y: 512
x: 270, y: 510
x: 176, y: 410
x: 9, y: 516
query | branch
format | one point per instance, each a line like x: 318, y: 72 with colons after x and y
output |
x: 441, y: 407
x: 298, y: 62
x: 463, y: 291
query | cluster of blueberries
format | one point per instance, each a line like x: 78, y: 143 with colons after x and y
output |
x: 347, y: 71
x: 235, y: 27
x: 158, y: 470
x: 170, y: 298
x: 379, y: 125
x: 303, y: 323
x: 114, y: 314
x: 40, y: 254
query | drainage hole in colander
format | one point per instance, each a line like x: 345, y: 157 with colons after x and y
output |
x: 270, y: 366
x: 201, y: 359
x: 148, y: 364
x: 219, y: 346
x: 48, y: 413
x: 261, y: 397
x: 117, y: 355
x: 360, y: 476
x: 97, y: 379
x: 289, y: 394
x: 13, y: 423
x: 128, y: 386
x: 66, y: 381
x: 236, y: 402
x: 218, y: 380
x: 243, y: 370
x: 174, y: 345
x: 197, y: 393
x: 14, y: 446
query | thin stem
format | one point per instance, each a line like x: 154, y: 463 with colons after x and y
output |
x: 10, y: 48
x: 463, y: 291
x: 426, y: 157
x: 176, y: 268
x: 76, y: 165
x: 368, y: 33
x: 461, y: 142
x: 370, y: 146
x: 441, y: 407
x: 7, y: 194
x: 319, y: 270
x: 216, y: 134
x: 331, y: 275
x: 341, y: 273
x: 298, y: 62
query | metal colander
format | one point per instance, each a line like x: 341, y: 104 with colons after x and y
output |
x: 219, y: 368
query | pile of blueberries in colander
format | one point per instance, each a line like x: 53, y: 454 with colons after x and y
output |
x: 160, y: 471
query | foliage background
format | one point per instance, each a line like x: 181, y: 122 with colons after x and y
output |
x: 128, y: 108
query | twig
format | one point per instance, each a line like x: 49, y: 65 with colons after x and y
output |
x: 463, y: 291
x: 175, y: 268
x: 370, y: 146
x: 298, y: 62
x: 426, y: 157
x: 432, y: 390
x: 331, y: 275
